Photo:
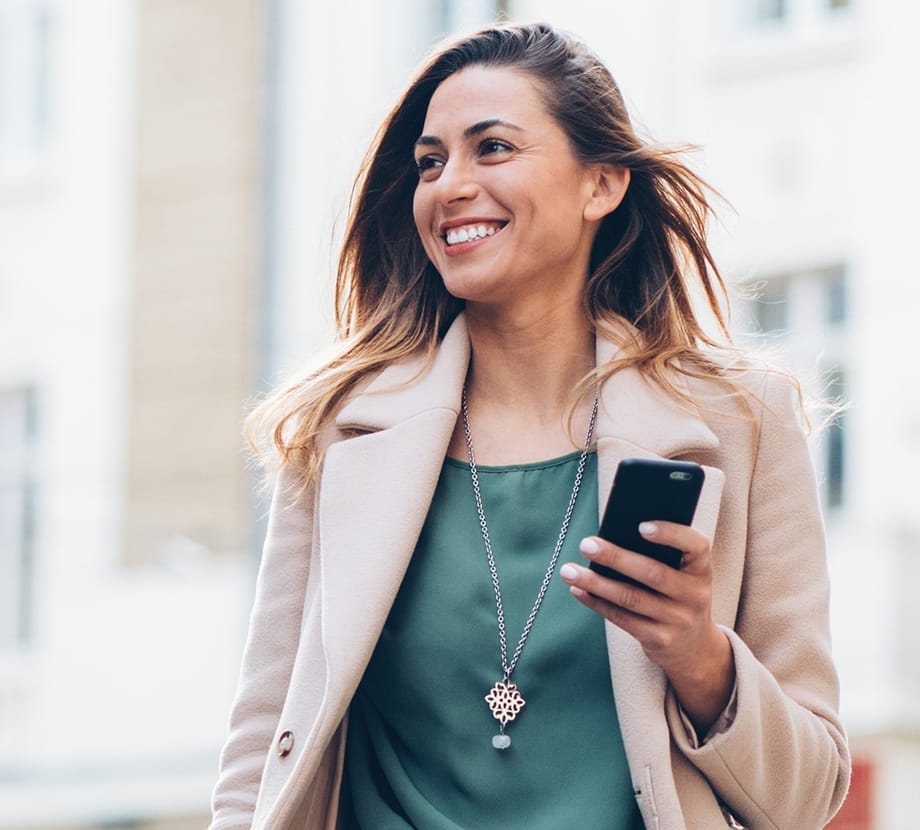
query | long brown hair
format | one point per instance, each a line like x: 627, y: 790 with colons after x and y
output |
x: 648, y: 257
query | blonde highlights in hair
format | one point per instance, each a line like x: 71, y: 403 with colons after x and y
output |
x: 649, y: 255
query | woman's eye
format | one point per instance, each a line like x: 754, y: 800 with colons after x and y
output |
x: 493, y: 145
x: 426, y: 164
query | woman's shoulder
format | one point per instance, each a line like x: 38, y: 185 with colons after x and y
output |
x: 743, y: 385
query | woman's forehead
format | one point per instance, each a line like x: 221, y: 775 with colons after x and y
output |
x: 482, y: 93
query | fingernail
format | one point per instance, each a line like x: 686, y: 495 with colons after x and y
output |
x: 568, y: 572
x: 589, y: 547
x: 648, y: 528
x: 576, y: 592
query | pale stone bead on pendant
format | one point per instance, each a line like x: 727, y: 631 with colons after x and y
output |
x: 501, y: 741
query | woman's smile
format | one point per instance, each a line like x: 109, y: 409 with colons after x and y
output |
x: 463, y: 236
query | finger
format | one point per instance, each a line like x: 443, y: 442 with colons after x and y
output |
x: 622, y: 595
x: 650, y: 572
x: 632, y: 623
x: 693, y: 544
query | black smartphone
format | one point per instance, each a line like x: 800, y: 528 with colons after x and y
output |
x: 646, y: 489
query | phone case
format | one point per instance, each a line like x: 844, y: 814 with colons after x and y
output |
x: 648, y: 490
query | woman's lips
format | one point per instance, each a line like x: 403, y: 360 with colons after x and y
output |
x: 461, y: 239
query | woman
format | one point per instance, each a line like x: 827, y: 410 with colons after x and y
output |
x: 518, y: 270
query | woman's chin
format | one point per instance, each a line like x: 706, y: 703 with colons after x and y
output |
x: 478, y: 292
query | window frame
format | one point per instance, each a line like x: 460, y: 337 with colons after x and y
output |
x: 813, y: 343
x: 27, y: 57
x: 18, y: 461
x: 810, y: 31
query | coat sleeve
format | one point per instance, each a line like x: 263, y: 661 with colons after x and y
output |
x: 783, y: 762
x: 268, y: 656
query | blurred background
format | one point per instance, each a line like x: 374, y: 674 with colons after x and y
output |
x: 174, y: 175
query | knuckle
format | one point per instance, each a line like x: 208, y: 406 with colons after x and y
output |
x: 612, y: 556
x: 700, y: 601
x: 652, y: 575
x: 630, y: 598
x: 616, y: 615
x: 660, y: 639
x: 684, y: 621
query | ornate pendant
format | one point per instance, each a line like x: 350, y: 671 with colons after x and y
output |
x: 505, y: 702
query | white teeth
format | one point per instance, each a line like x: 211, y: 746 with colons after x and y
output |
x: 469, y: 233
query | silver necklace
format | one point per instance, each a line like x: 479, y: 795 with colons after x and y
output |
x: 504, y: 698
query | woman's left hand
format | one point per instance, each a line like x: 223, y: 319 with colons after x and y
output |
x: 672, y: 621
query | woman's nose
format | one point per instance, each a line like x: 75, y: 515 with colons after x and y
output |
x: 456, y: 182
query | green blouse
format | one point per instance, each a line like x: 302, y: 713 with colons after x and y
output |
x: 419, y: 751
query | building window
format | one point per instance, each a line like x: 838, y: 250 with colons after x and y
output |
x: 834, y: 444
x: 770, y: 307
x: 25, y: 81
x: 763, y: 11
x: 795, y: 20
x: 461, y: 15
x: 17, y: 460
x: 805, y: 316
x: 835, y: 302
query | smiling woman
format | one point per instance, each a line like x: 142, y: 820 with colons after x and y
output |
x: 517, y: 271
x: 517, y: 176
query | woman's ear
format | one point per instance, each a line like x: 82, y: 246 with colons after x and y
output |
x: 609, y: 183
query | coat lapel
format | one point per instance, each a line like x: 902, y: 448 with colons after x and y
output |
x: 374, y: 496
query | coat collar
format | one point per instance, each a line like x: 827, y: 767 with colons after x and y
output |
x: 632, y: 409
x: 635, y: 410
x: 409, y: 388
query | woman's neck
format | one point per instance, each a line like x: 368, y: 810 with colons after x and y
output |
x: 535, y: 361
x: 523, y: 373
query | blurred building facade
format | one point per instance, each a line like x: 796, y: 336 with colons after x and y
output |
x: 174, y: 175
x: 129, y: 247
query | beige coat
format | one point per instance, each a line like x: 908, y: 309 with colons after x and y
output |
x: 333, y: 563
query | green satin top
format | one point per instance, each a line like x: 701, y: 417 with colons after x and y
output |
x: 419, y: 752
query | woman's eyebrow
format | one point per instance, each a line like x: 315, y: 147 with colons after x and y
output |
x: 469, y: 132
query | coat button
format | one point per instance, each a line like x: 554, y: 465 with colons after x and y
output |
x: 285, y: 744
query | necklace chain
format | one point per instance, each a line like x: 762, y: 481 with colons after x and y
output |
x: 508, y: 668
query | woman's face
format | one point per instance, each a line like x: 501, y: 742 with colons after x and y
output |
x: 501, y: 198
